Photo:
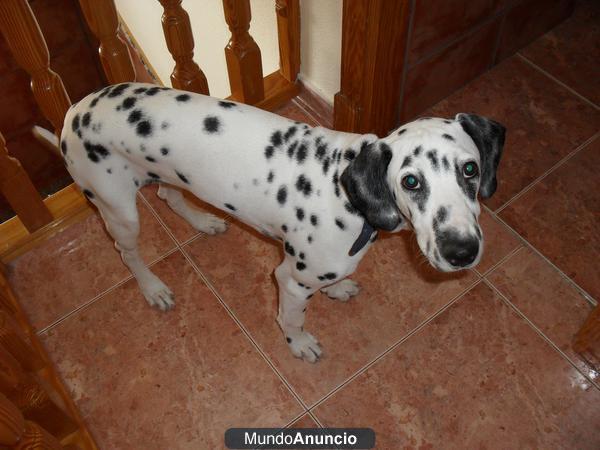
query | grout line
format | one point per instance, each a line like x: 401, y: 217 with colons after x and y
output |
x: 102, y: 294
x: 557, y: 165
x: 529, y: 245
x: 395, y: 345
x: 553, y: 78
x: 227, y: 309
x: 500, y: 262
x: 538, y: 330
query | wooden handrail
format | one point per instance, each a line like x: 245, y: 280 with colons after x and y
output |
x: 20, y: 192
x: 180, y: 42
x: 244, y: 64
x: 288, y: 30
x: 27, y: 44
x: 102, y: 18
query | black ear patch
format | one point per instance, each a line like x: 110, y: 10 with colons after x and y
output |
x: 488, y: 135
x: 365, y: 183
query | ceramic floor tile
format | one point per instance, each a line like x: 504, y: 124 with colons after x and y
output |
x: 571, y: 51
x: 144, y: 379
x: 76, y: 265
x: 476, y: 377
x: 546, y: 298
x: 560, y: 217
x: 399, y: 291
x: 499, y: 242
x: 544, y: 121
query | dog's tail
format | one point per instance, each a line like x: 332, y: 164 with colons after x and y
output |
x: 47, y: 138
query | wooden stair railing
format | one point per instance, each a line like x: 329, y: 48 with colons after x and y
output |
x: 244, y: 63
x: 180, y: 42
x: 288, y: 30
x: 102, y: 18
x: 35, y: 409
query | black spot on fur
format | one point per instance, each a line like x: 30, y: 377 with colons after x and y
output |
x: 403, y: 130
x: 289, y: 133
x: 340, y: 223
x: 301, y: 153
x: 321, y: 151
x: 301, y: 255
x: 95, y: 152
x: 134, y: 116
x: 276, y: 138
x: 153, y: 91
x: 442, y: 214
x: 448, y: 137
x: 445, y: 163
x: 407, y: 161
x: 164, y: 125
x: 300, y: 265
x: 89, y: 194
x: 140, y: 90
x: 129, y: 103
x: 109, y: 171
x: 289, y: 249
x: 269, y: 150
x: 183, y: 97
x: 212, y: 124
x: 417, y: 151
x: 300, y: 214
x: 282, y: 195
x: 289, y: 340
x: 351, y: 209
x: 433, y: 159
x: 326, y: 166
x: 94, y: 102
x: 309, y: 239
x: 314, y: 220
x: 230, y: 206
x: 153, y: 175
x: 226, y: 105
x: 304, y: 185
x: 75, y: 123
x: 63, y: 147
x: 421, y: 196
x: 182, y: 177
x: 150, y: 158
x: 327, y: 276
x: 144, y: 128
x: 335, y: 181
x: 164, y: 151
x: 447, y: 121
x: 468, y: 185
x: 136, y: 182
x: 270, y: 176
x: 284, y: 227
x: 292, y: 148
x: 118, y: 90
x: 349, y: 155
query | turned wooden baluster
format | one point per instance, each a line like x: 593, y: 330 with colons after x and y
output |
x: 19, y: 191
x: 13, y: 339
x: 244, y: 65
x: 101, y: 16
x: 180, y: 42
x: 18, y: 434
x: 288, y: 30
x: 23, y: 390
x: 27, y: 44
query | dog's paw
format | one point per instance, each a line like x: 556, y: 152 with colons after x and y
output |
x: 304, y: 345
x: 158, y: 295
x: 342, y: 290
x: 209, y: 224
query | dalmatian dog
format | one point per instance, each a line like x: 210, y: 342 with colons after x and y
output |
x: 324, y: 194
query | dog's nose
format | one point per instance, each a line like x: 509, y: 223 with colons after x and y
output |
x: 460, y: 252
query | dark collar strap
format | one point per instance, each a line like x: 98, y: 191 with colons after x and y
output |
x: 362, y: 239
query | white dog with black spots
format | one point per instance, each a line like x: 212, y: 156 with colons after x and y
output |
x: 324, y: 194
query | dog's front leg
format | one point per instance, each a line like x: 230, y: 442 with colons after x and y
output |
x: 293, y: 298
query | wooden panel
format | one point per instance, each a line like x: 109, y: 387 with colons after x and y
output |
x: 20, y: 193
x: 244, y: 65
x: 180, y: 42
x: 371, y: 79
x: 288, y: 32
x: 13, y: 339
x: 439, y: 76
x: 102, y: 18
x: 28, y: 47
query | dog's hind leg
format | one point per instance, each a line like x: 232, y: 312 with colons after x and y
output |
x: 201, y: 221
x: 120, y: 216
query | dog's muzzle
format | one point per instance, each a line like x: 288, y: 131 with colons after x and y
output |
x: 460, y: 252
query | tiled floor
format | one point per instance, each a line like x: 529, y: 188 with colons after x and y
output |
x: 480, y: 359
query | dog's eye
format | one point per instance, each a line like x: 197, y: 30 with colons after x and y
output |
x: 410, y: 182
x: 470, y: 170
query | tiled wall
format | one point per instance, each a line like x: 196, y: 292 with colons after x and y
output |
x: 453, y: 41
x: 74, y: 58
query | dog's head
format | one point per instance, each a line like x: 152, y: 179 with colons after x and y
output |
x: 429, y: 173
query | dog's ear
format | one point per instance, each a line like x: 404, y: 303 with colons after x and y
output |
x: 488, y: 136
x: 365, y: 182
